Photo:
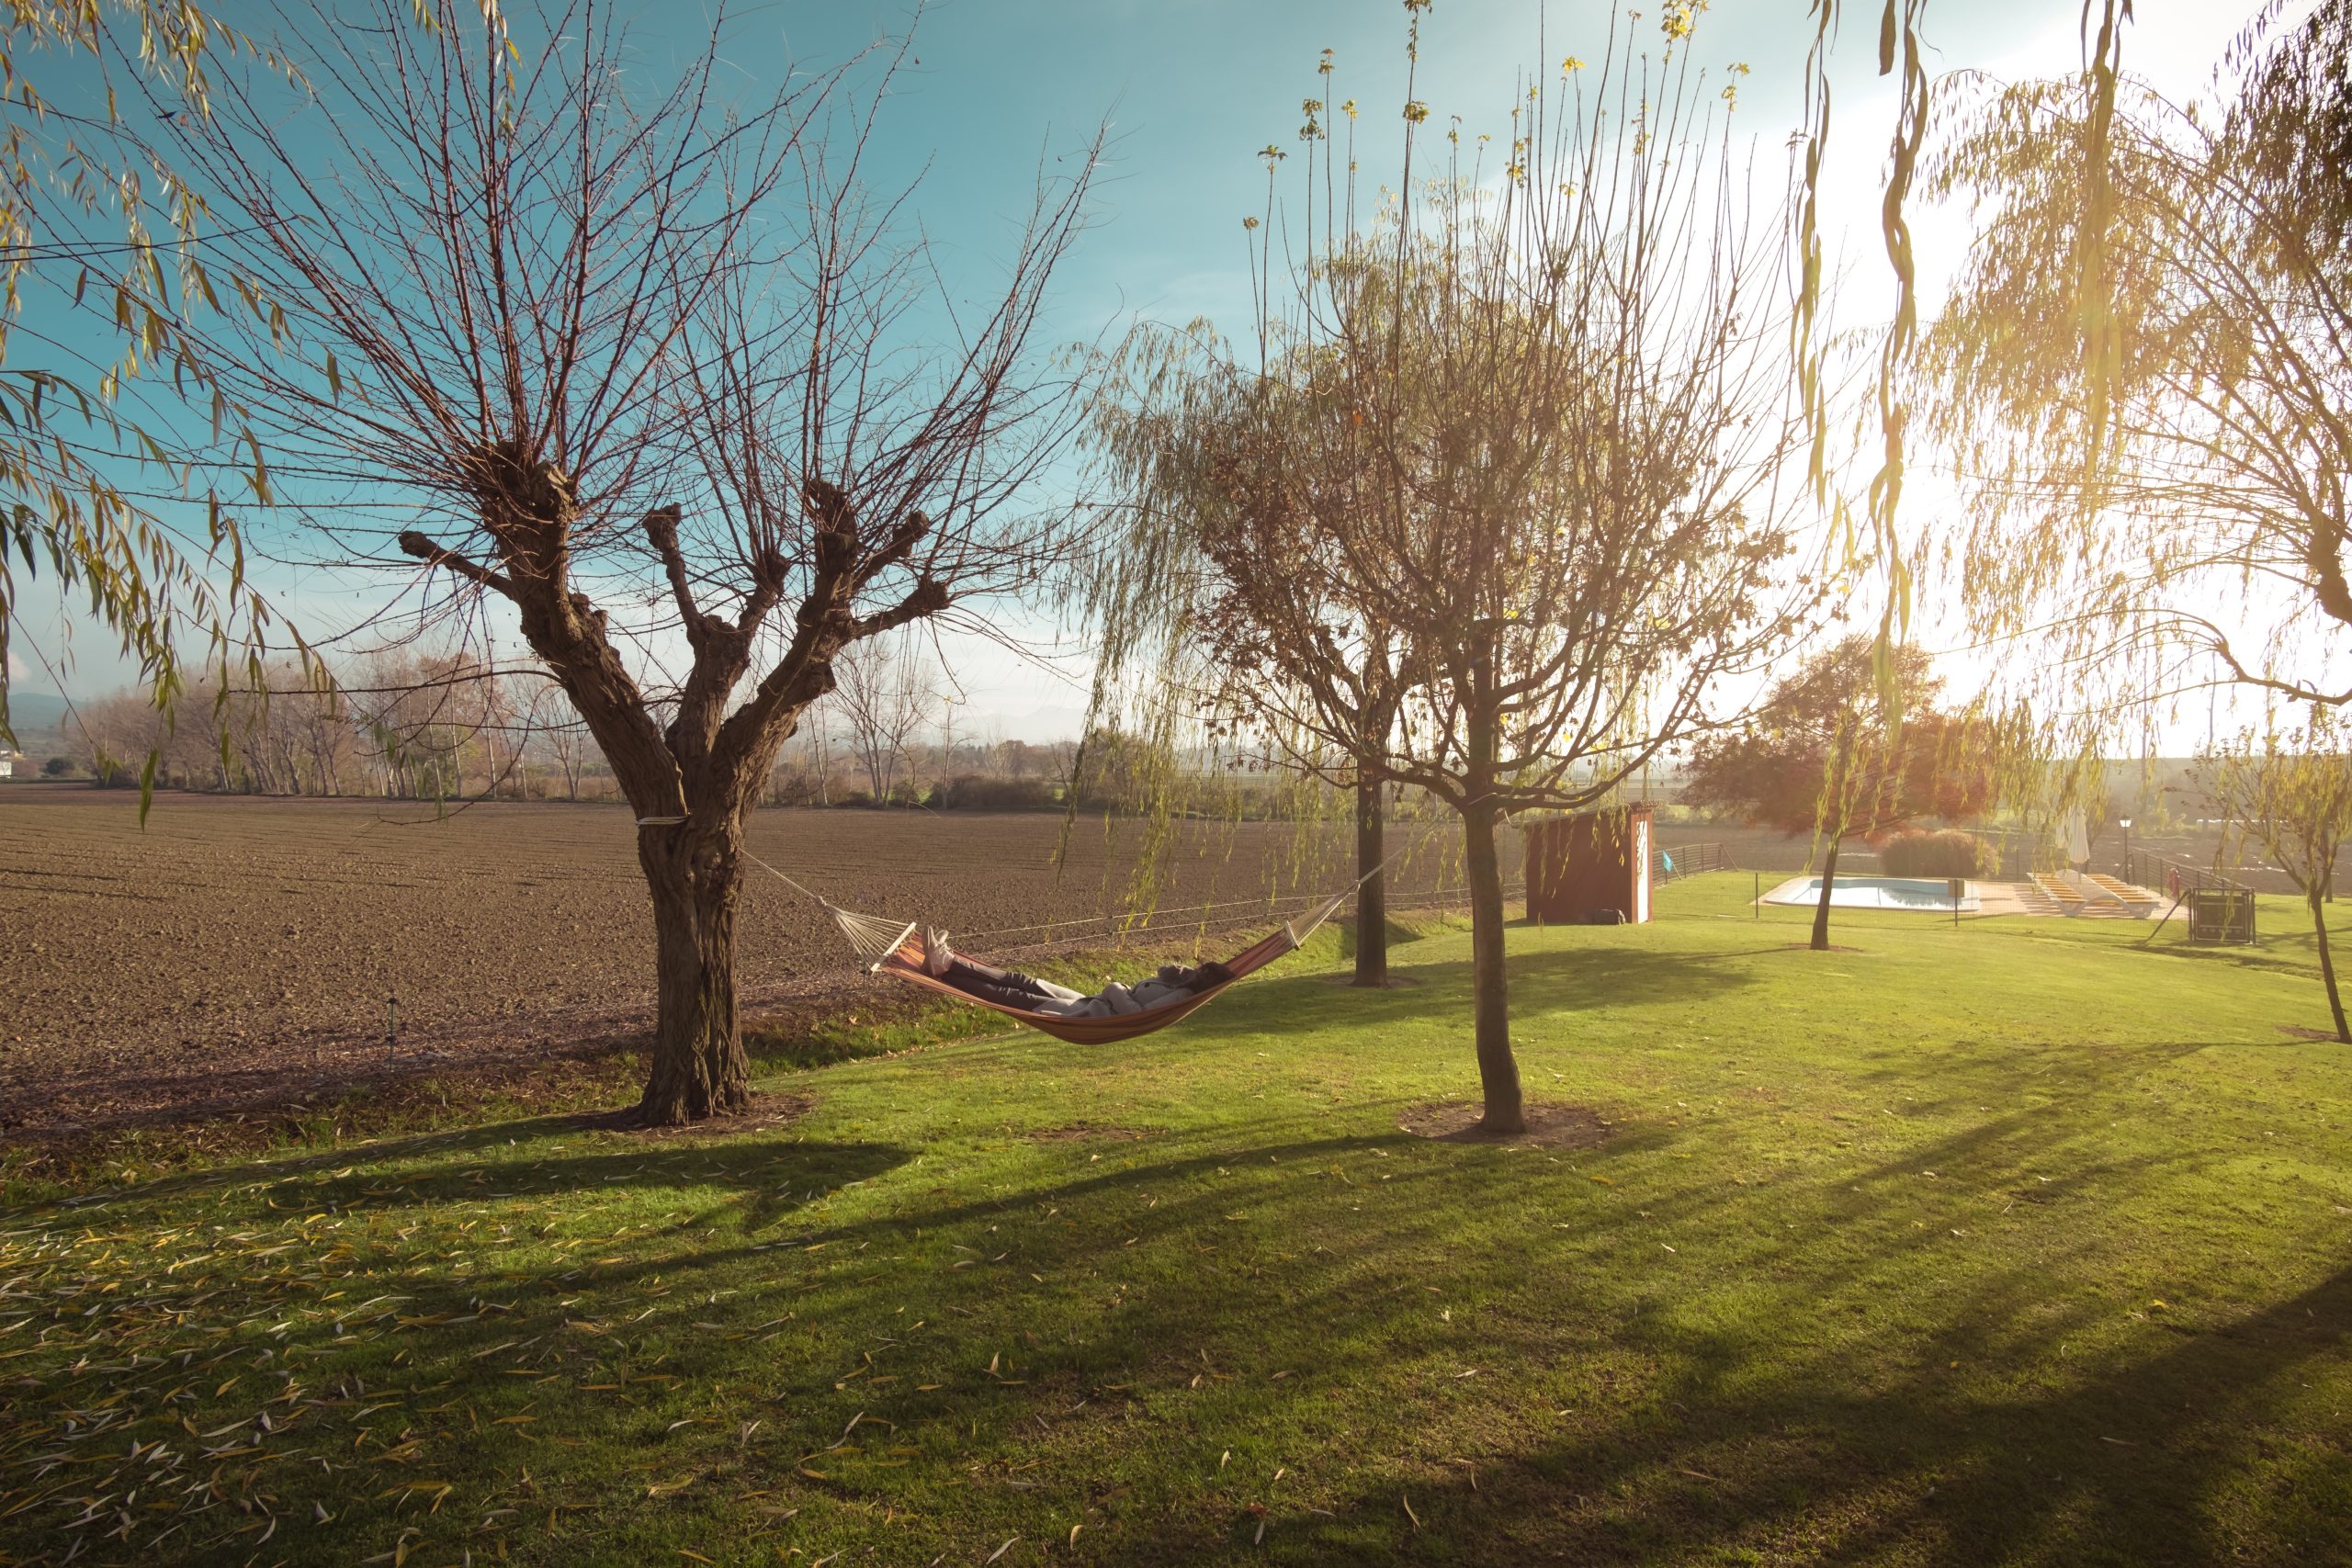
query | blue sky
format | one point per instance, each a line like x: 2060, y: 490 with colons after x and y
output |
x: 1192, y: 88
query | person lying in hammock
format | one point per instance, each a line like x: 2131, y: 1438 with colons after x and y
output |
x: 1009, y: 987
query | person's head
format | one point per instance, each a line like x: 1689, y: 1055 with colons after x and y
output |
x: 1209, y: 976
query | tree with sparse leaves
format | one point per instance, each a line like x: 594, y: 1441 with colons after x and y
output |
x: 2290, y: 794
x: 1527, y: 423
x: 1232, y: 477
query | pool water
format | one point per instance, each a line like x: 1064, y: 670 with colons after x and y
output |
x: 1929, y: 894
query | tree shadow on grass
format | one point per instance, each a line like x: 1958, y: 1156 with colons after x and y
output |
x: 1399, y: 935
x: 1562, y: 980
x: 1072, y: 1341
x: 2149, y: 1461
x: 1710, y: 1454
x: 763, y: 1180
x: 769, y: 1173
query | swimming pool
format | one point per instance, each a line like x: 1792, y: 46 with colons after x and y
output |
x: 1932, y: 895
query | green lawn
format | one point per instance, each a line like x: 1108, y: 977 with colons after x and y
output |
x: 2015, y: 1242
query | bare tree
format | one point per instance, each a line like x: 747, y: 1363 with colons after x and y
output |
x: 887, y: 692
x: 557, y: 723
x: 818, y: 728
x: 624, y: 351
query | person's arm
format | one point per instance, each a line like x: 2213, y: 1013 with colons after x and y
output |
x: 1158, y: 993
x: 1072, y: 1005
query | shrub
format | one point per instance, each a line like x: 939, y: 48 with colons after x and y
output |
x: 1949, y: 853
x: 973, y: 791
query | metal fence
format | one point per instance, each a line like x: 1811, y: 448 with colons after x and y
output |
x: 1670, y: 861
x: 2221, y: 907
x: 2174, y: 878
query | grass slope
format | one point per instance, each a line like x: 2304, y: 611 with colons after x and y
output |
x: 2015, y: 1243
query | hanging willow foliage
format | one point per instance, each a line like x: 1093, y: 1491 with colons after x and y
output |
x: 2167, y: 510
x: 108, y: 237
x: 2093, y: 332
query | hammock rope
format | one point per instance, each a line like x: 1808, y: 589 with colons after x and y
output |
x: 876, y: 937
x: 892, y: 948
x: 872, y: 937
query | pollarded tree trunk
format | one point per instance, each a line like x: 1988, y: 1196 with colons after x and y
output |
x: 1506, y: 1109
x: 1371, y: 897
x: 1821, y: 905
x: 699, y: 1068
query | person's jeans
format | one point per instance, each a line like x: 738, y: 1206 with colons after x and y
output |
x: 1007, y: 988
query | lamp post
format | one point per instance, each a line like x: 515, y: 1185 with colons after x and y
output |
x: 2125, y: 823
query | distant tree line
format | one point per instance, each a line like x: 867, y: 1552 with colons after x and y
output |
x: 412, y: 726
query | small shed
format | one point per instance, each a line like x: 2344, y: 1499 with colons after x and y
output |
x: 1585, y: 870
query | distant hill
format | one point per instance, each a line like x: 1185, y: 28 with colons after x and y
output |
x: 35, y: 715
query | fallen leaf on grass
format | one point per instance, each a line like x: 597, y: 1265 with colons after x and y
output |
x: 999, y: 1551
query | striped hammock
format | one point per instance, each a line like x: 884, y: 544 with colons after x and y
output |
x: 893, y: 948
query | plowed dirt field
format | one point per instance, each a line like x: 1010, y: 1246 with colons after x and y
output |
x: 236, y: 944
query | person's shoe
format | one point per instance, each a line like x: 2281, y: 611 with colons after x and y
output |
x: 936, y: 954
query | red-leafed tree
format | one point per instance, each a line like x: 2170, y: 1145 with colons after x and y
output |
x: 1820, y: 759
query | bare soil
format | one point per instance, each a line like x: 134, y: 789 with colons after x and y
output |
x: 244, y: 951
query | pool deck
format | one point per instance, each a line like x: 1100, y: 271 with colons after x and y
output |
x: 2127, y: 903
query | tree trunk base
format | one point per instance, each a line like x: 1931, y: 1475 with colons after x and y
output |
x: 1505, y: 1106
x: 658, y: 1110
x: 699, y: 1068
